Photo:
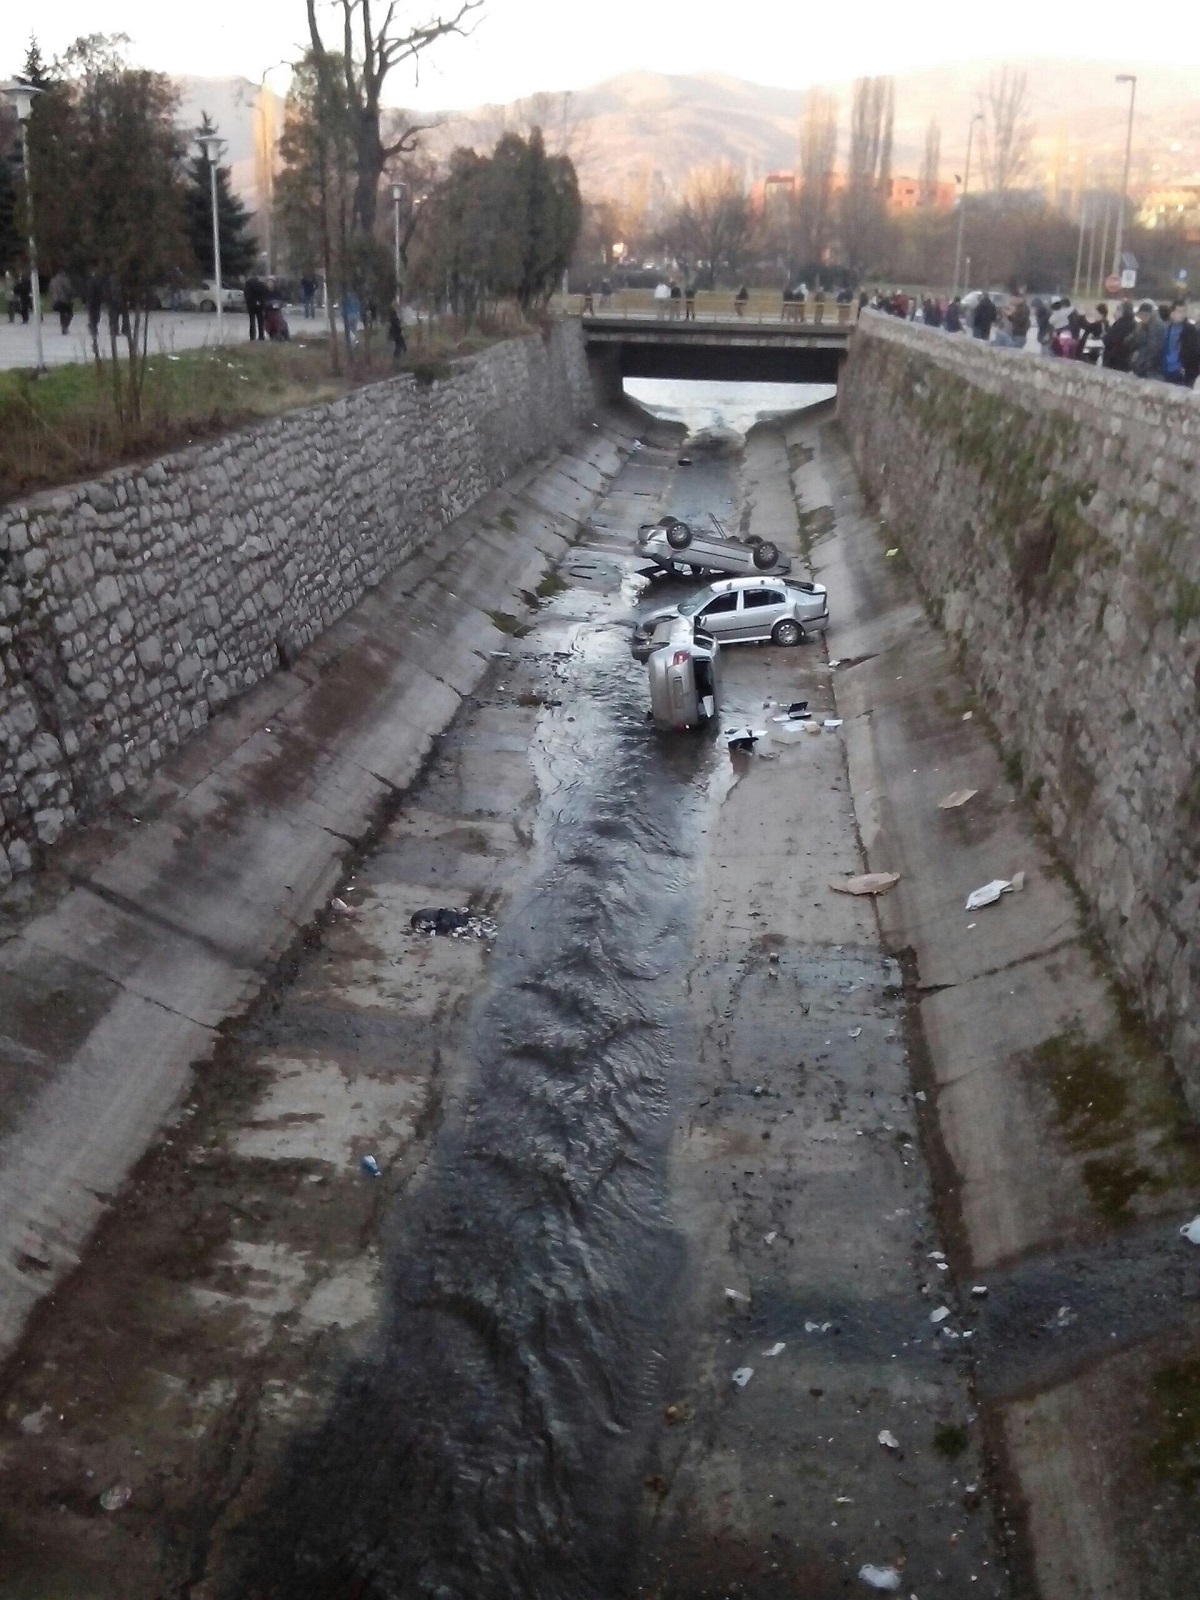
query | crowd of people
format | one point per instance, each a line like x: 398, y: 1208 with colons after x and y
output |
x: 1147, y: 340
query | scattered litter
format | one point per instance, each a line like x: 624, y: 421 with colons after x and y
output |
x: 866, y: 883
x: 854, y: 1032
x: 1018, y: 882
x: 775, y: 1350
x: 742, y: 1376
x: 734, y: 1295
x: 342, y: 909
x: 988, y: 894
x: 936, y: 1255
x: 967, y: 715
x: 885, y: 1579
x: 456, y: 924
x: 956, y: 798
x: 371, y: 1167
x: 36, y: 1421
x: 637, y: 444
x: 921, y: 1096
x: 979, y: 1291
x: 505, y: 653
x: 971, y: 926
x: 888, y: 1440
x: 940, y: 1314
x: 817, y: 1327
x: 679, y: 1411
x: 744, y: 738
x: 833, y: 664
x: 844, y: 1500
x: 894, y: 551
x: 685, y: 461
x: 770, y: 1238
x: 1062, y: 1318
x: 116, y: 1498
x: 832, y: 722
x: 811, y: 727
x: 1191, y: 1231
x: 773, y: 958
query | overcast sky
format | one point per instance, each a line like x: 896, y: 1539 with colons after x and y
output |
x: 521, y: 46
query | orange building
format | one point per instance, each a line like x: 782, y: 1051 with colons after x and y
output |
x: 907, y: 194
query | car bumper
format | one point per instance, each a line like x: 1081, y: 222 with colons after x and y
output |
x: 816, y: 624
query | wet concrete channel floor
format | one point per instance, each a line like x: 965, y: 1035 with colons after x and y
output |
x: 664, y: 1129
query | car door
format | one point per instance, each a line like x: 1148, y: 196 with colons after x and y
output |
x: 720, y: 617
x: 761, y: 610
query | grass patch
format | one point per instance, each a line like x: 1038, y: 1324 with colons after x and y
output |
x: 508, y: 519
x: 550, y: 585
x: 1175, y: 1453
x: 509, y: 624
x: 949, y: 1440
x: 63, y: 425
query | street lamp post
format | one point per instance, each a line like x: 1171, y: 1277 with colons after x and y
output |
x: 20, y: 97
x: 399, y: 190
x: 962, y: 203
x: 212, y: 145
x: 1131, y: 79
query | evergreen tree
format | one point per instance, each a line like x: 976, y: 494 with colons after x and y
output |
x: 238, y: 247
x: 35, y: 71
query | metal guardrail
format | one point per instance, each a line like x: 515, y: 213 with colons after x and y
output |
x: 710, y: 306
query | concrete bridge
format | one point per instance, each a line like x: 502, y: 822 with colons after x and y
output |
x: 727, y: 348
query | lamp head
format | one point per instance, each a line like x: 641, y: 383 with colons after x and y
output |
x: 1126, y: 77
x: 213, y: 146
x: 399, y: 190
x: 20, y: 98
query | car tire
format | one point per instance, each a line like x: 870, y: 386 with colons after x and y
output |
x: 679, y: 536
x: 766, y: 555
x: 208, y: 305
x: 787, y: 633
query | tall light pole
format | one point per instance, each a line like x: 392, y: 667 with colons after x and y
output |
x: 962, y: 202
x: 1131, y: 79
x: 20, y: 97
x: 399, y: 190
x: 212, y: 145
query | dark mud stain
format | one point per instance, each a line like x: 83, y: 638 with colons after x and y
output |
x: 1175, y: 1453
x: 493, y: 1442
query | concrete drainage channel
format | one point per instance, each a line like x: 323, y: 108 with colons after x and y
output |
x: 601, y: 1258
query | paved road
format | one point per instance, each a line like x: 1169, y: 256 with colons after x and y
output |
x: 169, y: 330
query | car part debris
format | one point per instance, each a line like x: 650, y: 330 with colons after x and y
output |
x: 342, y: 909
x: 979, y: 1291
x: 742, y: 1376
x: 866, y: 883
x: 888, y: 1440
x: 956, y: 798
x: 854, y: 1032
x: 776, y: 1349
x: 457, y: 923
x: 685, y: 461
x: 817, y: 1327
x: 1191, y: 1231
x: 832, y: 722
x: 116, y: 1498
x: 940, y: 1314
x: 884, y: 1579
x: 744, y: 738
x: 988, y: 894
x: 371, y: 1167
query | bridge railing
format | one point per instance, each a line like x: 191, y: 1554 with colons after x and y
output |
x: 711, y: 305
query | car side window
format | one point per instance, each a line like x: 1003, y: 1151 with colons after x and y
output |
x: 761, y: 597
x: 723, y: 602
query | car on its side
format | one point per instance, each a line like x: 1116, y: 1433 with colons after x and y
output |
x: 739, y: 611
x: 677, y: 546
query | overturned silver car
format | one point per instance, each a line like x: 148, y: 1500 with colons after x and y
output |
x: 685, y: 679
x: 676, y: 546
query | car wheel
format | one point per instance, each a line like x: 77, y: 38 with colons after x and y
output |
x: 208, y: 305
x: 787, y: 632
x: 679, y: 536
x: 766, y: 554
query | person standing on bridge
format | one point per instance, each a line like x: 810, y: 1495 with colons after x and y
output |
x: 689, y: 302
x: 952, y: 321
x: 1181, y: 352
x: 676, y: 300
x: 662, y: 299
x: 740, y: 299
x: 985, y: 316
x: 1149, y: 342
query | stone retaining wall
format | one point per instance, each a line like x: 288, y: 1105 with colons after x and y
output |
x: 132, y: 607
x: 1052, y: 515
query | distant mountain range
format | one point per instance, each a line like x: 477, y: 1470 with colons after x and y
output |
x: 646, y: 131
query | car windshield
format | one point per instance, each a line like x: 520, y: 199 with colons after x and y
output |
x: 693, y: 603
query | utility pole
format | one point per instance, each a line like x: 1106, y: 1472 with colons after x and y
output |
x: 212, y: 145
x: 398, y: 193
x: 1079, y: 248
x: 1131, y: 79
x: 20, y: 97
x: 962, y: 201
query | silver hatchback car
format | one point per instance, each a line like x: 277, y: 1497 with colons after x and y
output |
x: 741, y: 611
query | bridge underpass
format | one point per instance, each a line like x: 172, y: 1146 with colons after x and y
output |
x: 730, y: 351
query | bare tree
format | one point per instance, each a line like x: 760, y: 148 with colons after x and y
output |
x: 355, y: 72
x: 869, y: 175
x: 931, y: 163
x: 711, y: 227
x: 818, y: 155
x: 1006, y: 132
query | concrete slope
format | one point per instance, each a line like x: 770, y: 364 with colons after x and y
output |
x: 156, y: 927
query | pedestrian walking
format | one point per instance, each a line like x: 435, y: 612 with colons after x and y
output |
x: 22, y: 298
x: 740, y: 299
x: 953, y: 320
x: 689, y: 303
x: 62, y: 298
x: 255, y: 295
x: 589, y: 304
x: 984, y: 317
x: 396, y: 334
x: 308, y: 296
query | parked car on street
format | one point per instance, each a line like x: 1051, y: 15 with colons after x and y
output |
x: 203, y: 297
x: 740, y: 611
x: 677, y: 546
